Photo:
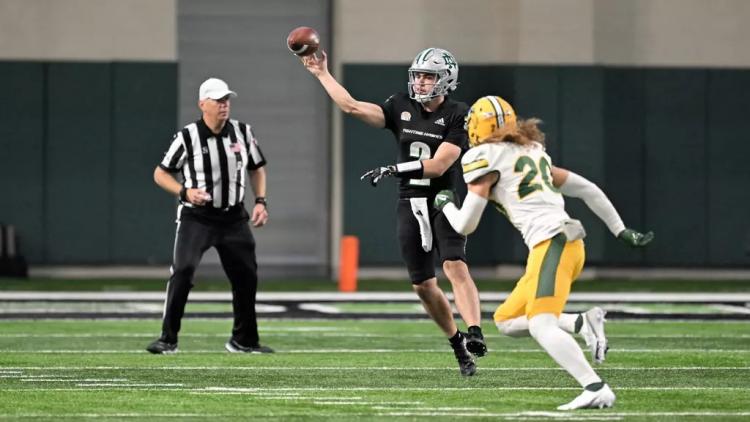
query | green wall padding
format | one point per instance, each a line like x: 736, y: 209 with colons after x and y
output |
x: 21, y: 154
x: 78, y: 147
x: 667, y: 146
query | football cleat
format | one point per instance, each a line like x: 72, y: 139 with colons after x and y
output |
x: 605, y: 397
x: 234, y: 347
x: 593, y: 333
x: 475, y: 342
x: 159, y: 347
x: 465, y: 362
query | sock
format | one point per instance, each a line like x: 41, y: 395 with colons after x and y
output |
x: 475, y: 329
x: 562, y: 348
x: 456, y: 340
x: 571, y: 323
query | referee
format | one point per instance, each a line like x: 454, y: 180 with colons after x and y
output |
x: 212, y: 155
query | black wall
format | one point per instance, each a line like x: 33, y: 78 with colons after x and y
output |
x: 667, y: 145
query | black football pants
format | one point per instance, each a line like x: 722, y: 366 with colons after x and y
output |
x: 236, y: 247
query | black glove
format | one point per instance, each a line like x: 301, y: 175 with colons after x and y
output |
x: 635, y: 239
x: 376, y: 174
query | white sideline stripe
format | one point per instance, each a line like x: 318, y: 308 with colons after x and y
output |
x: 643, y: 297
x: 254, y: 389
x: 316, y: 351
x: 238, y: 390
x: 351, y: 368
x: 337, y: 333
x: 556, y: 415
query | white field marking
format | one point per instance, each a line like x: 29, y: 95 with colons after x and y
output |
x: 357, y: 368
x: 439, y: 409
x: 732, y: 308
x: 108, y: 384
x: 556, y: 415
x: 319, y: 307
x: 572, y: 416
x: 323, y: 333
x: 317, y: 351
x: 308, y: 389
x: 82, y: 380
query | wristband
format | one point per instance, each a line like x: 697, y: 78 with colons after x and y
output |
x: 183, y: 194
x: 410, y: 170
x: 261, y: 200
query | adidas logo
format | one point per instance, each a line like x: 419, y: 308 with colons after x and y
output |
x: 440, y: 122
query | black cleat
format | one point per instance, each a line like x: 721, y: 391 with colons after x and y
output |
x: 159, y: 347
x: 465, y: 361
x: 475, y: 341
x: 234, y: 347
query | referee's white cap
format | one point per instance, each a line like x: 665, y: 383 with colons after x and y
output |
x: 214, y: 89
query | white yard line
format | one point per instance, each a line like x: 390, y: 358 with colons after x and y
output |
x: 318, y: 351
x: 353, y: 368
x: 336, y: 332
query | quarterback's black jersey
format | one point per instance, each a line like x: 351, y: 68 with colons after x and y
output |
x: 419, y: 134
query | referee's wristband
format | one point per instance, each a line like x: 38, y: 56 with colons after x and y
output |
x: 183, y: 194
x: 261, y: 200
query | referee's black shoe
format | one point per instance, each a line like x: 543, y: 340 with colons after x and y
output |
x: 233, y: 347
x: 159, y: 347
x: 475, y: 341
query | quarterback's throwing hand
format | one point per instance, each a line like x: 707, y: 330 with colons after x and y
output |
x: 635, y: 239
x: 376, y: 174
x: 443, y: 198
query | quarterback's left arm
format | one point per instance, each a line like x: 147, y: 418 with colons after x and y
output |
x: 575, y: 186
x: 445, y: 156
x: 259, y: 216
x: 466, y: 219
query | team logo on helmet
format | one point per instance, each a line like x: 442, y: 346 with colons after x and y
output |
x: 440, y: 63
x: 487, y: 115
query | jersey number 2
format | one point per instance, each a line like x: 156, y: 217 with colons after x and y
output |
x: 420, y: 151
x: 528, y: 184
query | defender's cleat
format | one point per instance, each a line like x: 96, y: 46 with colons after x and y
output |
x: 234, y: 347
x: 159, y: 347
x: 593, y: 333
x: 475, y: 342
x: 465, y: 362
x: 591, y: 400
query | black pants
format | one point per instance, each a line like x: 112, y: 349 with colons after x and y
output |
x: 447, y: 245
x: 236, y: 247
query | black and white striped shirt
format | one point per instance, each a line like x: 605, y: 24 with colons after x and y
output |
x: 215, y: 163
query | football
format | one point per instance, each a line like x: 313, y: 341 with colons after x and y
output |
x: 303, y: 41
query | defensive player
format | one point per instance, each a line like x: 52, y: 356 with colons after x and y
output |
x: 430, y: 135
x: 508, y: 166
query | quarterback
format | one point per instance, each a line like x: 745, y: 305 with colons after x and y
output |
x: 428, y: 127
x: 508, y: 166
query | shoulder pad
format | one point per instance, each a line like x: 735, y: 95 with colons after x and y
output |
x: 478, y: 161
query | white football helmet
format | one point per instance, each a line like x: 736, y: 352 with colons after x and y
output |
x: 439, y: 62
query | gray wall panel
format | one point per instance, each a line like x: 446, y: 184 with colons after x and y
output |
x: 244, y: 42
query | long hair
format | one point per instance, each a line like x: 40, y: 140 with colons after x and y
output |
x: 524, y: 132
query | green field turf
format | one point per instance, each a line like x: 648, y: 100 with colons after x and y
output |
x: 359, y: 370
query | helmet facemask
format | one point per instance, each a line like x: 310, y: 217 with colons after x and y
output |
x: 440, y: 63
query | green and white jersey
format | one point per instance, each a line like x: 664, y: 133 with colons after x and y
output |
x: 525, y: 193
